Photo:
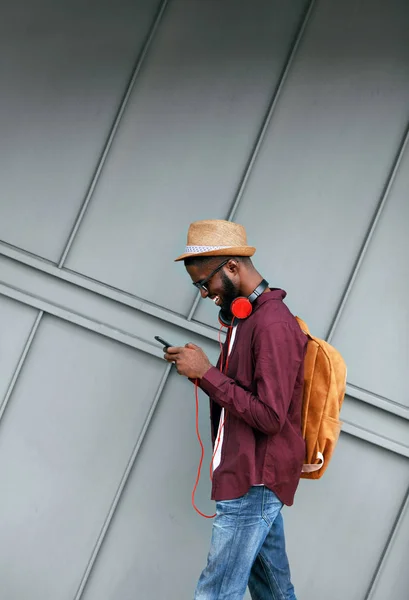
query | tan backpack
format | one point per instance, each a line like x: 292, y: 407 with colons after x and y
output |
x: 324, y: 390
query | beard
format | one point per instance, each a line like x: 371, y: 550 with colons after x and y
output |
x: 230, y: 293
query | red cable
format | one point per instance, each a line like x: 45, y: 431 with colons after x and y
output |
x: 201, y: 458
x: 199, y: 470
x: 225, y: 412
x: 221, y: 347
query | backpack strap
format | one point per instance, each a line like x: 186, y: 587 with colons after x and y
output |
x: 312, y: 468
x: 303, y: 326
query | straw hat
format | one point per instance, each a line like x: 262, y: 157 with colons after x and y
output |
x: 216, y: 238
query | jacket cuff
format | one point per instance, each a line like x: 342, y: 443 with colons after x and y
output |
x: 212, y: 381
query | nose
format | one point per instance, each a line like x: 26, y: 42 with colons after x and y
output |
x: 204, y: 293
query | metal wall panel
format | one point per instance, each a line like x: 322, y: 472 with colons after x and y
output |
x: 344, y: 520
x: 393, y: 578
x: 12, y: 339
x: 156, y: 547
x: 375, y: 304
x: 347, y: 533
x: 378, y: 421
x: 183, y: 141
x: 328, y: 152
x: 98, y: 313
x: 63, y: 72
x: 289, y: 117
x: 75, y: 416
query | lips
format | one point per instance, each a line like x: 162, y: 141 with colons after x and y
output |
x: 216, y: 300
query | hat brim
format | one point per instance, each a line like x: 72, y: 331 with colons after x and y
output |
x: 233, y: 251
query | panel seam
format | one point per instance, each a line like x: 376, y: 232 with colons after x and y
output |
x: 264, y: 126
x: 115, y: 126
x: 369, y: 234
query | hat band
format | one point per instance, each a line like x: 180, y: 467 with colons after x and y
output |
x: 198, y: 249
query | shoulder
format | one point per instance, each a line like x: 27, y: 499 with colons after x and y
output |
x: 274, y: 318
x: 272, y: 312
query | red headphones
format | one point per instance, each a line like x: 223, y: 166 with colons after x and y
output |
x: 242, y: 307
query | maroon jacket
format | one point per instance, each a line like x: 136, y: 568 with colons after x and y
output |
x: 262, y: 395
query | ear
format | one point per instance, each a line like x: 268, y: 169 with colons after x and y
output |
x: 233, y: 266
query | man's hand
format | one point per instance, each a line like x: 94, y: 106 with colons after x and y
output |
x: 190, y: 361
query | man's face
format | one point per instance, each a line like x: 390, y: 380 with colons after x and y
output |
x: 221, y: 287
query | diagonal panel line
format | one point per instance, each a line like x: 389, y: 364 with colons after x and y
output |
x: 360, y: 393
x: 387, y: 549
x: 372, y: 436
x: 82, y: 320
x: 369, y: 234
x: 264, y: 126
x: 271, y: 108
x: 121, y: 487
x: 114, y: 129
x: 20, y: 363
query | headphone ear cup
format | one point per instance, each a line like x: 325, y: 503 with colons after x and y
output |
x: 241, y: 307
x: 225, y: 320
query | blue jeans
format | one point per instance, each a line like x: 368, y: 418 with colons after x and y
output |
x: 247, y: 548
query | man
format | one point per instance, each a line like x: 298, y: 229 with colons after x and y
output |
x: 255, y: 413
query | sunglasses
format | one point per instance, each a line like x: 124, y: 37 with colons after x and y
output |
x: 202, y: 284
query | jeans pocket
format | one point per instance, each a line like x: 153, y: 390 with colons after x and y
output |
x: 229, y: 509
x: 271, y: 506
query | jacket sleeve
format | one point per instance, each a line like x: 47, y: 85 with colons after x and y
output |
x: 278, y: 353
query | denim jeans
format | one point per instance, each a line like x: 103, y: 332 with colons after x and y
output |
x: 247, y: 548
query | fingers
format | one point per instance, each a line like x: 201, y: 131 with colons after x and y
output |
x: 179, y: 350
x: 172, y: 354
x: 173, y: 350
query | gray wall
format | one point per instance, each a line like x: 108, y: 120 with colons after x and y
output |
x: 120, y: 123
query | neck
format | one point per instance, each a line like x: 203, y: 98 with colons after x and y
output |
x: 252, y: 281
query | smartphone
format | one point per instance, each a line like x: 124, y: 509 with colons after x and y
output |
x: 163, y: 342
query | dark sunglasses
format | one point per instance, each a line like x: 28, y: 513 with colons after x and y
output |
x: 202, y: 284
